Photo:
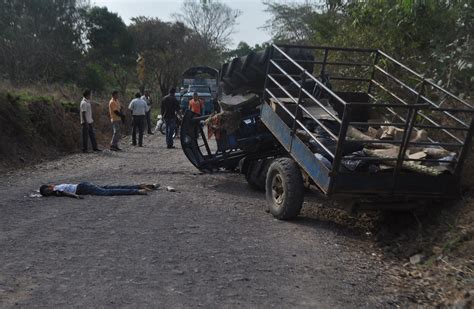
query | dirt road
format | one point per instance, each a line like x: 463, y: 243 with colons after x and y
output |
x: 210, y: 244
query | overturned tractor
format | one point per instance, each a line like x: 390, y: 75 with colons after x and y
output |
x: 354, y: 123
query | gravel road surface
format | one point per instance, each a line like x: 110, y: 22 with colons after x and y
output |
x: 209, y: 244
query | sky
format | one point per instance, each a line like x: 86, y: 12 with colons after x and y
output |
x: 252, y: 18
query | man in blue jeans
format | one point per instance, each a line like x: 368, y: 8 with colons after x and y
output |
x: 170, y: 129
x: 169, y: 109
x: 87, y: 188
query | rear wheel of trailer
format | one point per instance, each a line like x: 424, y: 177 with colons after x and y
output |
x: 284, y: 189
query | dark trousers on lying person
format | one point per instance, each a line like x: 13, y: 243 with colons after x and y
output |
x: 138, y: 125
x: 87, y: 188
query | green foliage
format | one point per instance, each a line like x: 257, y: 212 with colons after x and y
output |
x: 110, y: 54
x: 431, y: 36
x: 291, y: 21
x: 71, y: 41
x: 107, y: 36
x: 40, y: 40
x: 25, y: 97
x: 93, y: 77
x: 168, y: 49
x: 70, y: 106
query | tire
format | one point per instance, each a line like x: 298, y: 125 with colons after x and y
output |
x: 247, y: 61
x: 284, y: 189
x: 256, y: 174
x: 247, y: 73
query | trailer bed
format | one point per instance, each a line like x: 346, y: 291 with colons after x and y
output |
x: 285, y: 112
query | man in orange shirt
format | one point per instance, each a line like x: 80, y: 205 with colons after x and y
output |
x: 195, y: 104
x: 116, y: 117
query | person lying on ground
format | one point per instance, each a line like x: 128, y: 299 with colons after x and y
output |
x: 87, y: 188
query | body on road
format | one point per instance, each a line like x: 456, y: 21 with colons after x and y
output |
x: 87, y: 188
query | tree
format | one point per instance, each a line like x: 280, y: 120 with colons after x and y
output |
x: 408, y: 29
x: 166, y: 48
x: 40, y: 40
x: 107, y: 35
x: 110, y: 46
x: 213, y: 22
x: 290, y: 22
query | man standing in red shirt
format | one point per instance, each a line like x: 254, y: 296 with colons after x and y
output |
x: 196, y: 104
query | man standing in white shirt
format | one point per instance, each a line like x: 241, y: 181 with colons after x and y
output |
x: 146, y: 97
x: 86, y: 122
x: 138, y: 108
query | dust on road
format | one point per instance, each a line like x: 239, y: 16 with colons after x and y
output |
x: 210, y: 244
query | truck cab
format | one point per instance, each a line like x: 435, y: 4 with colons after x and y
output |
x: 204, y: 81
x: 204, y: 92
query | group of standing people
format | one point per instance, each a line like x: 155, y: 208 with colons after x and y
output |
x: 140, y: 109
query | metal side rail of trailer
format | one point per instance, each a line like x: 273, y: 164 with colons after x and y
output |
x: 349, y: 102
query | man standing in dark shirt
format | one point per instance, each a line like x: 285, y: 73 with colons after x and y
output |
x: 169, y: 108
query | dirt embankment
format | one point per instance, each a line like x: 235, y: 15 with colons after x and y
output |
x: 36, y: 127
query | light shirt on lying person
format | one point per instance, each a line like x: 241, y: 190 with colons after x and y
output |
x: 138, y: 107
x: 66, y: 187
